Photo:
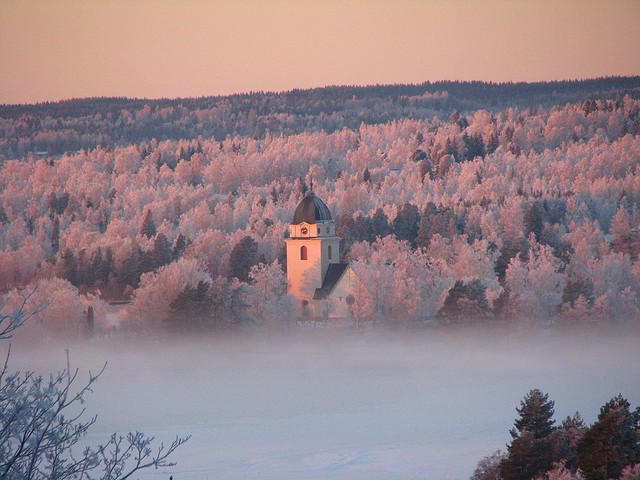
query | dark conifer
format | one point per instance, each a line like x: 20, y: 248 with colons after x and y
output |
x: 405, y: 225
x: 178, y: 247
x: 148, y: 226
x: 612, y: 442
x: 55, y: 236
x: 532, y: 451
x: 243, y: 256
x: 162, y: 251
x: 379, y: 224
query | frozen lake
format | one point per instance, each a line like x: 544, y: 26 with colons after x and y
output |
x: 335, y: 404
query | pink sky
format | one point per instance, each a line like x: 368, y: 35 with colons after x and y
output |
x: 52, y: 50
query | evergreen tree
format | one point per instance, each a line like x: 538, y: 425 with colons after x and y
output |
x: 130, y: 273
x: 62, y: 203
x: 70, y: 267
x: 532, y: 452
x: 492, y: 144
x: 178, y: 247
x: 3, y: 216
x: 578, y: 287
x: 534, y: 217
x: 162, y: 251
x: 363, y: 229
x: 405, y: 225
x: 612, y: 442
x: 346, y: 230
x: 465, y: 300
x: 90, y: 319
x: 419, y: 155
x: 509, y: 250
x: 243, y: 256
x: 572, y: 430
x: 426, y: 168
x: 536, y: 412
x: 55, y: 236
x: 474, y: 146
x: 105, y: 268
x: 424, y: 232
x: 94, y: 268
x: 192, y: 307
x: 148, y: 226
x: 379, y: 224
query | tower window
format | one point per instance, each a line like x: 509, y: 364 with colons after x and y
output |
x: 303, y: 252
x: 329, y: 252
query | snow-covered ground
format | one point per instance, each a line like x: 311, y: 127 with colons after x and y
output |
x: 334, y: 404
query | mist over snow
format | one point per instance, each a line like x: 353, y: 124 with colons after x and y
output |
x: 337, y: 404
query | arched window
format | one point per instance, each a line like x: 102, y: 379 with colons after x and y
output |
x: 303, y: 253
x: 329, y: 252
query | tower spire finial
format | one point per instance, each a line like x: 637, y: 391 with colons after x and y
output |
x: 311, y: 183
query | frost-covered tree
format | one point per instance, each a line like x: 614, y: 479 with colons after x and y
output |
x: 43, y: 422
x: 560, y: 472
x: 152, y: 301
x: 565, y: 173
x: 488, y: 468
x: 65, y: 315
x: 537, y: 284
x: 270, y: 304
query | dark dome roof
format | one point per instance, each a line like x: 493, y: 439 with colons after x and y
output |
x: 311, y: 210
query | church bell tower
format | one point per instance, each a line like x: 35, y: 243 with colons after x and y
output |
x: 311, y: 247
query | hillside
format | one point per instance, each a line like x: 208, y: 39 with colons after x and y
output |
x: 455, y: 202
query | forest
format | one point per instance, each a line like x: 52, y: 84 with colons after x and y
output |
x: 455, y: 202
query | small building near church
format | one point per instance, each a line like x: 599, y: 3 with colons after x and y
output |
x: 316, y: 277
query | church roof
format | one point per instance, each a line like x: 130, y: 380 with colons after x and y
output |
x: 311, y: 210
x: 331, y: 279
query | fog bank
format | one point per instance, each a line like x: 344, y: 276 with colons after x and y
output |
x: 337, y: 404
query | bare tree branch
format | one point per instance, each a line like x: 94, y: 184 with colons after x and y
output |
x: 41, y: 424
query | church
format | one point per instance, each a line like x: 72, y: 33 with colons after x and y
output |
x: 322, y: 285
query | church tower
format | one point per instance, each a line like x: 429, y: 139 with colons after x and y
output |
x: 312, y: 249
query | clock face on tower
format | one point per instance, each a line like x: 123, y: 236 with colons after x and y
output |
x: 304, y: 230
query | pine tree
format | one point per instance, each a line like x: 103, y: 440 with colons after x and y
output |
x: 572, y: 429
x: 90, y: 318
x: 534, y: 219
x: 178, y: 247
x: 148, y: 226
x: 379, y: 224
x: 243, y: 256
x: 70, y: 267
x: 532, y: 452
x: 94, y: 268
x: 162, y: 251
x: 536, y: 412
x: 424, y: 232
x: 105, y: 268
x: 55, y: 236
x: 405, y: 225
x: 192, y: 307
x: 3, y: 216
x: 612, y: 442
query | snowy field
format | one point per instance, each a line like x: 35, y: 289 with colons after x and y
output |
x: 336, y: 404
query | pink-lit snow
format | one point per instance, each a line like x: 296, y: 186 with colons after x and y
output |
x: 336, y: 404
